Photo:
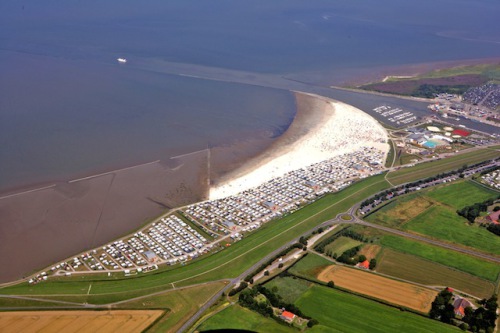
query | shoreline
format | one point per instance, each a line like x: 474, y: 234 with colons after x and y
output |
x: 322, y: 129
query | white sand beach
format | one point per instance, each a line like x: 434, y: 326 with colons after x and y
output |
x: 323, y: 128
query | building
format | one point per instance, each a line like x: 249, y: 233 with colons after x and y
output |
x: 364, y: 265
x: 459, y: 306
x: 493, y: 217
x: 287, y: 316
x: 151, y: 256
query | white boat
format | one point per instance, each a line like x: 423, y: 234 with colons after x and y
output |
x: 122, y: 60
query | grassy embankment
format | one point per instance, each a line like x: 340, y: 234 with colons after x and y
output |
x: 452, y: 80
x: 225, y: 264
x: 429, y: 169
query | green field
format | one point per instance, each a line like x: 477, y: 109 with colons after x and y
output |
x: 224, y: 264
x: 341, y: 244
x: 461, y: 194
x: 428, y: 169
x: 480, y: 268
x: 432, y: 213
x: 289, y: 288
x: 413, y: 268
x: 337, y: 311
x: 237, y: 317
x: 442, y: 223
x: 310, y: 266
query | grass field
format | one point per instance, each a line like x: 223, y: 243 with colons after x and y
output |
x: 382, y: 288
x: 399, y: 211
x: 237, y: 317
x: 310, y: 266
x: 179, y: 305
x: 412, y: 268
x: 460, y: 194
x: 480, y: 268
x: 442, y: 223
x: 290, y: 289
x: 428, y: 169
x: 122, y: 321
x: 341, y: 244
x: 370, y: 251
x: 338, y: 311
x: 224, y: 264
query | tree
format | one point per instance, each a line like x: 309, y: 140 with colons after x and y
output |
x: 361, y: 258
x: 373, y: 263
x: 331, y: 284
x: 280, y: 265
x: 266, y: 273
x: 312, y: 322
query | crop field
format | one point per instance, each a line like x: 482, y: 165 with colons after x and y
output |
x: 443, y: 223
x: 288, y: 288
x: 310, y: 266
x: 428, y: 169
x: 400, y: 211
x: 238, y: 318
x: 462, y: 262
x: 461, y: 194
x: 341, y: 244
x: 370, y: 251
x: 412, y: 268
x: 121, y: 321
x: 339, y: 311
x: 392, y: 291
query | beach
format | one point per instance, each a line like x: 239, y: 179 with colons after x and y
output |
x: 322, y: 129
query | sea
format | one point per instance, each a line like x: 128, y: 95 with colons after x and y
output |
x: 199, y: 74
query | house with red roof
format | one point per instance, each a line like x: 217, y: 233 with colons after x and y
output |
x: 459, y: 306
x: 364, y: 265
x: 493, y: 217
x: 287, y: 316
x: 460, y: 132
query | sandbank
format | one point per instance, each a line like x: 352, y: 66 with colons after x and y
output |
x: 322, y: 129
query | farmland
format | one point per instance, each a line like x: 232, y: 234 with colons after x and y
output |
x: 341, y: 244
x: 122, y: 321
x: 430, y: 273
x: 461, y: 194
x: 237, y: 317
x: 480, y: 268
x: 433, y: 213
x: 338, y: 311
x: 438, y: 221
x: 392, y: 291
x: 310, y: 266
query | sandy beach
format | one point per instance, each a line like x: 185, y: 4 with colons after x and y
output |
x: 322, y: 129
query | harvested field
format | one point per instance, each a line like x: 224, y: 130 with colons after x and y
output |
x: 394, y: 292
x: 122, y: 321
x: 430, y: 273
x: 370, y: 251
x: 400, y: 211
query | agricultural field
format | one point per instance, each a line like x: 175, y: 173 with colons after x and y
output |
x: 310, y: 266
x: 412, y: 268
x: 289, y: 288
x: 460, y: 194
x: 236, y: 317
x: 442, y: 223
x: 121, y: 321
x: 370, y: 251
x: 462, y: 262
x: 433, y: 213
x: 429, y: 169
x: 395, y: 292
x: 339, y: 311
x: 341, y: 244
x: 399, y: 211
